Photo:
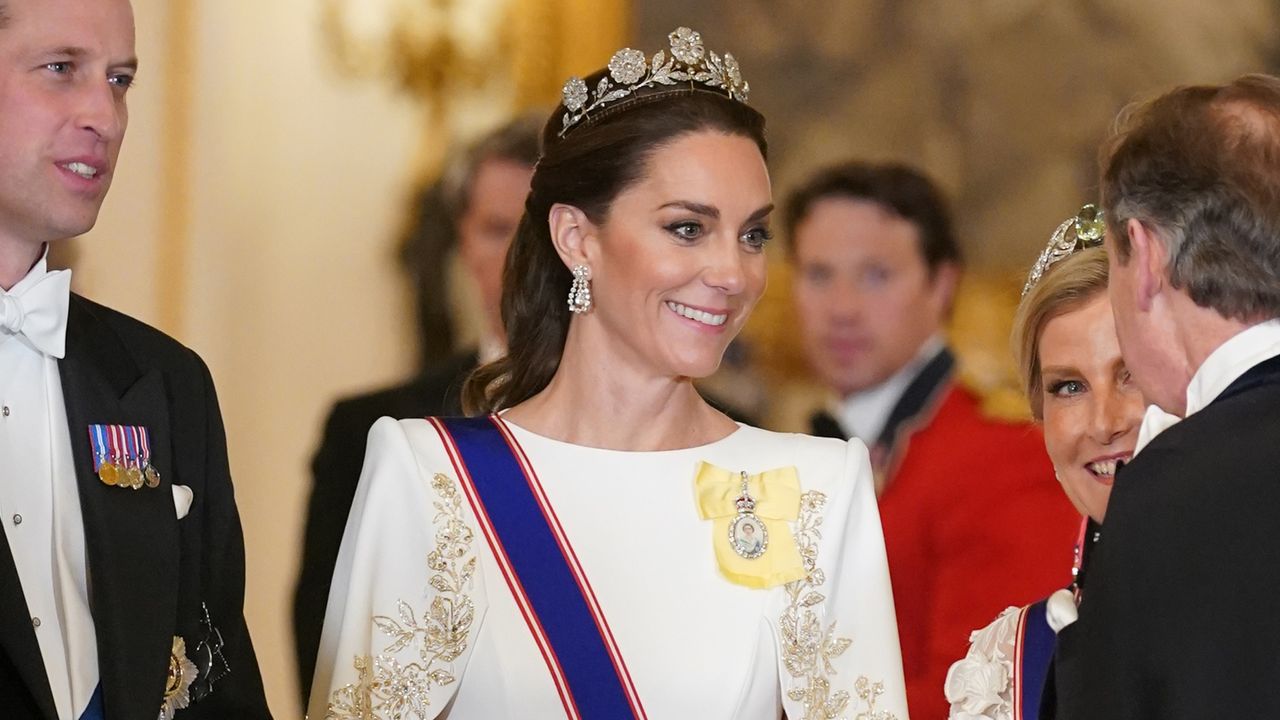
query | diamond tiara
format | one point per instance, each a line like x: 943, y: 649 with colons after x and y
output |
x: 1085, y: 230
x: 629, y: 71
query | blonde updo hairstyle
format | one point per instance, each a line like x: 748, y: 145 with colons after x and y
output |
x: 1068, y: 285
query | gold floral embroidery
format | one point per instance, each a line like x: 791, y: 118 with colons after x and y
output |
x: 354, y: 700
x: 808, y: 647
x: 384, y: 687
x: 869, y: 693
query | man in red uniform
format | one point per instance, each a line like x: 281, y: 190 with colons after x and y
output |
x: 973, y: 520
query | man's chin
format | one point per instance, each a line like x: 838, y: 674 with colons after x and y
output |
x: 846, y: 386
x: 74, y: 226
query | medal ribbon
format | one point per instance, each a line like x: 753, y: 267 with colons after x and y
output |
x: 117, y: 445
x: 131, y: 446
x: 144, y: 448
x: 101, y: 448
x: 540, y: 568
x: 777, y: 496
x: 1032, y: 654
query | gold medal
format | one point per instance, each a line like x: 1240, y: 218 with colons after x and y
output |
x: 109, y: 473
x: 133, y: 477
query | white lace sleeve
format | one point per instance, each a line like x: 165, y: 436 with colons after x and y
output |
x: 402, y: 610
x: 980, y: 686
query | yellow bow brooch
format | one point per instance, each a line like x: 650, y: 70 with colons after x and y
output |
x: 750, y: 516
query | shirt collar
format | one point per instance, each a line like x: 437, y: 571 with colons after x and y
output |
x: 1225, y: 365
x: 1230, y: 360
x: 863, y: 414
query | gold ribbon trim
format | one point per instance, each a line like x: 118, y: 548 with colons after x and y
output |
x: 777, y: 496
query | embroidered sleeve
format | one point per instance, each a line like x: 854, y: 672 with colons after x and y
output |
x: 837, y: 632
x: 401, y: 615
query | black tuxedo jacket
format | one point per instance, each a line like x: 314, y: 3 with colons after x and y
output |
x: 151, y: 576
x: 335, y: 472
x: 1179, y: 617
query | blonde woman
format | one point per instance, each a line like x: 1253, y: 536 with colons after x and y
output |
x: 1065, y: 343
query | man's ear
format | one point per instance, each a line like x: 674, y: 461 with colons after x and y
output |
x: 946, y: 279
x: 571, y: 233
x: 1150, y: 254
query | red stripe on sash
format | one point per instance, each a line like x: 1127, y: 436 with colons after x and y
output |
x: 508, y: 574
x: 571, y: 557
x: 1017, y: 664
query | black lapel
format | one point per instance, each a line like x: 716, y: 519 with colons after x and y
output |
x: 18, y: 637
x: 1092, y: 536
x: 824, y: 424
x: 918, y: 396
x: 131, y: 536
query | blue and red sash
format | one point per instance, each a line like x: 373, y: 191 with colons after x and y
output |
x: 1032, y: 654
x: 541, y: 569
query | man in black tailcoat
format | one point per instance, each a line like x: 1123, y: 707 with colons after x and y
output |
x: 121, y: 559
x: 1178, y: 618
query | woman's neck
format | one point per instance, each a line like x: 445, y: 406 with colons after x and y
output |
x: 600, y: 400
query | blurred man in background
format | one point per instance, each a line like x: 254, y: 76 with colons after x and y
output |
x: 973, y: 520
x: 474, y: 211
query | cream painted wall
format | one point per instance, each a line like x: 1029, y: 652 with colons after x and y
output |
x: 297, y: 180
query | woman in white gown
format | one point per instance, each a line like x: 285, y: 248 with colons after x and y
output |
x: 584, y: 551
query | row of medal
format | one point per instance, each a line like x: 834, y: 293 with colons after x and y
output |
x: 122, y: 456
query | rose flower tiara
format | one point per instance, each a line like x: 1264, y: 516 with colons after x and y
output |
x: 689, y: 64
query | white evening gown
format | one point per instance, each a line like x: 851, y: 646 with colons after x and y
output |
x: 696, y: 644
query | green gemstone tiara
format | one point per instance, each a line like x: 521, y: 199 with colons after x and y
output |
x: 1085, y: 230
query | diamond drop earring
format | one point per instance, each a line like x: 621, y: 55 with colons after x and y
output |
x: 580, y: 290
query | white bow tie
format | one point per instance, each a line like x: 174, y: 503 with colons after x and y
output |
x: 39, y: 313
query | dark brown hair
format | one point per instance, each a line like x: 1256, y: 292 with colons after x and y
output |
x: 900, y: 189
x: 1200, y: 166
x: 587, y: 168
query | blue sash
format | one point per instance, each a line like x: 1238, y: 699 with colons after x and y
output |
x: 1033, y: 656
x: 540, y: 569
x: 95, y: 710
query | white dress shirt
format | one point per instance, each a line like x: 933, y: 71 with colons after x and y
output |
x: 40, y: 511
x: 864, y: 414
x: 1225, y: 365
